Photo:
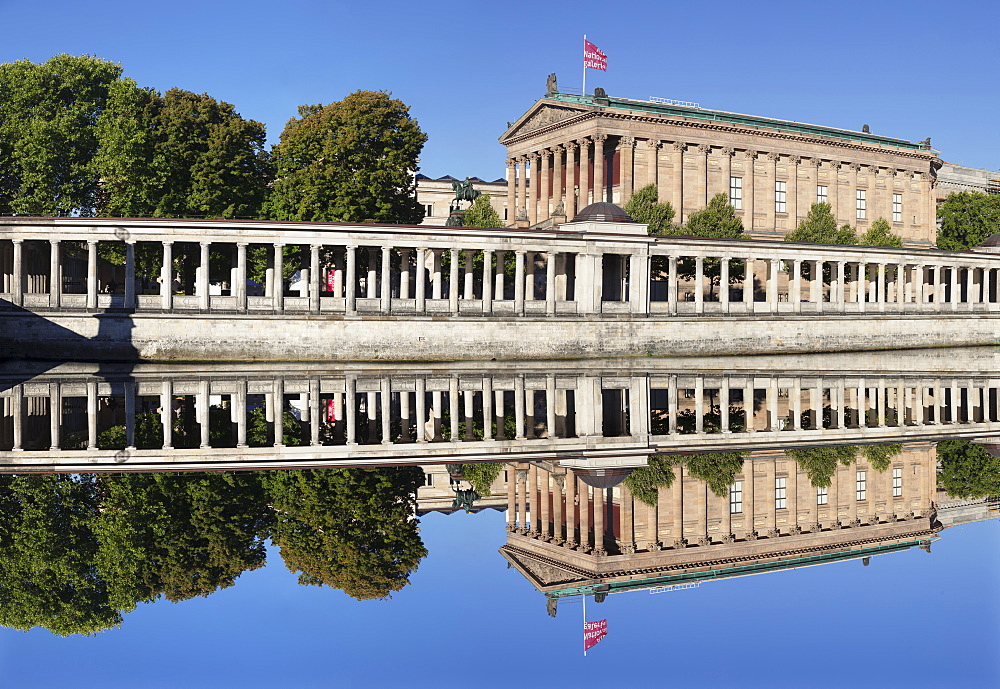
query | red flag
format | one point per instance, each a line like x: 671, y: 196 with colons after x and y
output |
x: 593, y: 58
x: 593, y: 632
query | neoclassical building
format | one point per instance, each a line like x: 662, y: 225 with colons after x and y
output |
x: 568, y: 151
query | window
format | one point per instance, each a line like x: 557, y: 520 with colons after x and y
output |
x: 736, y: 192
x: 897, y: 208
x: 821, y: 194
x: 779, y: 197
x: 861, y: 486
x: 779, y: 493
x: 428, y: 479
x: 736, y: 498
x: 504, y: 213
x: 897, y: 483
x: 859, y: 204
x: 821, y: 495
x: 428, y: 210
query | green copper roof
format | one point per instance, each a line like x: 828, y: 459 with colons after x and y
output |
x: 699, y: 113
x: 737, y: 570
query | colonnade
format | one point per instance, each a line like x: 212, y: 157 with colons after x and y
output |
x: 771, y: 190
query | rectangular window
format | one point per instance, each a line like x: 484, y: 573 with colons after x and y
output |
x: 821, y: 194
x: 428, y: 479
x: 859, y: 204
x: 897, y: 208
x: 504, y: 213
x: 736, y: 192
x: 779, y: 197
x: 736, y: 498
x: 861, y: 486
x: 821, y: 495
x: 428, y: 210
x: 897, y: 483
x: 779, y: 493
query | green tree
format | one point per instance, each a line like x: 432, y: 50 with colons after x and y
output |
x: 880, y: 234
x: 352, y: 161
x: 820, y: 227
x: 644, y: 207
x: 967, y: 218
x: 717, y: 469
x: 47, y: 135
x: 821, y: 463
x: 482, y: 475
x: 47, y: 549
x: 481, y: 214
x: 880, y: 457
x: 179, y: 155
x: 967, y: 470
x: 352, y: 529
x: 646, y: 481
x: 718, y: 220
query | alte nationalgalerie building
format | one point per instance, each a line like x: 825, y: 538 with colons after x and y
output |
x: 568, y: 151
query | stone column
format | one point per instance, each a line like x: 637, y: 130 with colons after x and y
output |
x: 55, y: 414
x: 511, y: 191
x: 881, y: 295
x: 167, y: 413
x: 468, y: 292
x: 774, y: 268
x: 351, y: 410
x: 702, y: 174
x: 699, y: 289
x: 167, y: 277
x: 91, y: 415
x: 557, y: 179
x: 488, y: 279
x: 748, y: 284
x: 130, y: 299
x: 385, y: 299
x: 453, y: 286
x: 571, y: 182
x: 816, y: 283
x: 279, y: 278
x: 91, y: 274
x: 749, y: 198
x: 533, y: 188
x: 969, y: 299
x: 796, y: 291
x: 544, y: 202
x: 498, y: 277
x: 315, y: 279
x: 201, y: 276
x: 519, y: 283
x: 724, y: 283
x: 772, y: 178
x: 351, y: 280
x: 584, y: 181
x: 18, y: 272
x: 600, y: 193
x: 522, y: 189
x: 519, y: 407
x: 420, y: 289
x: 956, y: 296
x: 672, y: 284
x: 677, y: 181
x: 626, y: 146
x: 436, y: 277
x: 55, y: 275
x: 724, y: 405
x: 550, y: 282
x: 240, y: 281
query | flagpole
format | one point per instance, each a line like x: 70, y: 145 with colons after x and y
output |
x: 585, y: 610
x: 583, y: 91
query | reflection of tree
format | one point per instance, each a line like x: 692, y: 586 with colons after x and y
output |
x: 717, y: 469
x: 148, y: 433
x: 712, y: 420
x: 967, y: 470
x: 351, y: 529
x: 47, y: 549
x: 178, y: 535
x: 880, y: 457
x: 482, y: 475
x: 820, y: 463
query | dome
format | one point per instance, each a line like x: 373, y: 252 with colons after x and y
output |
x: 992, y: 241
x: 602, y: 212
x: 602, y: 478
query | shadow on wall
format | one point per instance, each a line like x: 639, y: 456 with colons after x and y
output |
x: 31, y: 344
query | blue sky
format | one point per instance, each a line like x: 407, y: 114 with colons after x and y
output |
x: 909, y: 69
x: 909, y: 619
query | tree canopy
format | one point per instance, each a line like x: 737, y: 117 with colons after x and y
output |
x: 644, y: 207
x: 967, y: 470
x: 820, y: 227
x: 718, y: 220
x: 879, y: 233
x: 481, y: 214
x: 821, y: 463
x: 967, y: 218
x: 352, y: 161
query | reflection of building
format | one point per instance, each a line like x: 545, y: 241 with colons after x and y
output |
x: 770, y: 169
x: 574, y: 530
x: 436, y: 196
x: 955, y: 178
x: 438, y: 492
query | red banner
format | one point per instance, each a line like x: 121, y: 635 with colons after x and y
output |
x: 330, y: 277
x: 593, y: 632
x: 593, y: 58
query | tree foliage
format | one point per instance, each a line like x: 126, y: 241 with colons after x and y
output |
x: 645, y: 482
x: 352, y: 161
x: 880, y: 457
x: 481, y: 214
x: 820, y: 227
x: 644, y: 207
x: 821, y: 463
x: 880, y: 233
x: 967, y: 218
x: 179, y: 155
x: 482, y: 475
x: 48, y: 138
x: 717, y: 469
x: 718, y: 220
x: 967, y: 470
x: 351, y: 529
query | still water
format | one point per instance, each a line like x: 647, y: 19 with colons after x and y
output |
x: 816, y: 522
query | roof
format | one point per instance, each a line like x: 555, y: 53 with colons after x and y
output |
x: 699, y: 113
x: 602, y: 212
x: 449, y: 178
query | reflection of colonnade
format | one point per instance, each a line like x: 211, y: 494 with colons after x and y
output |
x: 329, y: 269
x: 152, y: 417
x: 574, y: 529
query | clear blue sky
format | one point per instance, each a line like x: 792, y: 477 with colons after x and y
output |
x: 909, y: 69
x: 908, y: 620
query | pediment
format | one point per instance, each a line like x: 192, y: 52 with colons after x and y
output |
x: 540, y: 116
x: 543, y: 574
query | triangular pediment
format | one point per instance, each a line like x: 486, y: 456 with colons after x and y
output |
x: 541, y: 573
x: 542, y: 114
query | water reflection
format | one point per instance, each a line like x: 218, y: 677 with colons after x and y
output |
x: 610, y: 480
